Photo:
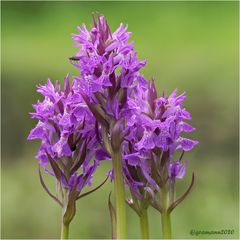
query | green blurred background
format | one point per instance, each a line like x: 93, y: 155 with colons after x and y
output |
x: 189, y: 45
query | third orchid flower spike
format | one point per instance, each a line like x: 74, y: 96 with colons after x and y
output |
x: 154, y: 141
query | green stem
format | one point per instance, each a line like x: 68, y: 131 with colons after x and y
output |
x: 166, y: 220
x: 166, y: 225
x: 119, y: 195
x: 171, y: 191
x: 64, y: 231
x: 144, y: 224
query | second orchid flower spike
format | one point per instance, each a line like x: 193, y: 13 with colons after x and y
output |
x: 109, y: 76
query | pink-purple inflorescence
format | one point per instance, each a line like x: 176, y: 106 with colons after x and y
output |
x: 66, y: 129
x: 111, y: 98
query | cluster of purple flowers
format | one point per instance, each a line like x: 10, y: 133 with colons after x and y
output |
x: 110, y: 107
x: 66, y: 129
x: 154, y: 137
x: 107, y: 62
x: 109, y: 78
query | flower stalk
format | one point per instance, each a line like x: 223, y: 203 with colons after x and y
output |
x: 166, y: 225
x: 165, y: 215
x: 64, y: 231
x: 119, y: 195
x: 144, y: 224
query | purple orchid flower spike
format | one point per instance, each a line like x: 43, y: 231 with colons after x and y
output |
x: 109, y: 78
x: 155, y: 137
x: 66, y: 129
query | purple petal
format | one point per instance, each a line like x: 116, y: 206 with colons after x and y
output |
x: 147, y: 141
x: 182, y: 170
x: 37, y: 132
x: 177, y: 169
x: 102, y: 155
x: 188, y: 144
x: 61, y: 148
x: 187, y: 127
x: 133, y: 159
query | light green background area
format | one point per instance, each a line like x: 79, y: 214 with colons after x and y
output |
x: 192, y: 46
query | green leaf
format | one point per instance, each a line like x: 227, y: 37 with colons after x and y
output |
x: 70, y: 209
x: 112, y: 216
x: 97, y: 111
x: 134, y: 206
x: 117, y: 136
x: 180, y: 199
x: 57, y: 171
x: 78, y: 162
x: 46, y: 189
x: 93, y: 190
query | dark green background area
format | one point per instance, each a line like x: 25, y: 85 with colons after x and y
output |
x: 192, y: 46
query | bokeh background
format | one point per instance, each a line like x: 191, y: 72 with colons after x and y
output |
x: 192, y: 46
